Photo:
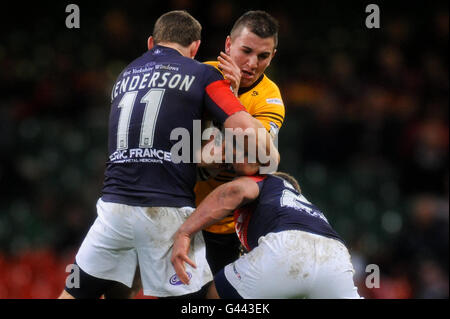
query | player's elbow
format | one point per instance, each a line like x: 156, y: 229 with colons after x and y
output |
x: 242, y: 120
x: 232, y: 195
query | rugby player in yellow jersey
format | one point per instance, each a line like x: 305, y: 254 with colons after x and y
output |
x: 249, y: 49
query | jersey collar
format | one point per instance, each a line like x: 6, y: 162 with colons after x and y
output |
x: 164, y: 50
x: 245, y: 90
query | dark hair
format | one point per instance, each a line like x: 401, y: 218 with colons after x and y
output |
x: 259, y: 22
x: 290, y: 179
x: 177, y: 26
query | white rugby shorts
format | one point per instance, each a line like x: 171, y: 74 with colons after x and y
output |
x: 123, y: 236
x: 294, y: 264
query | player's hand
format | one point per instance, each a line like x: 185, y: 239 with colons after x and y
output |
x: 180, y: 251
x: 230, y: 70
x: 213, y: 154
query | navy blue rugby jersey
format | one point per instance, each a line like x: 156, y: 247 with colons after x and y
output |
x: 279, y: 207
x: 155, y: 94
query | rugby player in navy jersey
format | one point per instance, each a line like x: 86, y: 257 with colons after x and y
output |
x: 146, y: 195
x: 293, y: 250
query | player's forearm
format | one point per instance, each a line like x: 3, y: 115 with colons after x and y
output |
x: 252, y: 140
x: 268, y: 155
x: 217, y: 205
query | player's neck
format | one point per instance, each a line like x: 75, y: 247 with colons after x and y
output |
x: 182, y: 50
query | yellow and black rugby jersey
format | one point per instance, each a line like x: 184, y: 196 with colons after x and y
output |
x: 263, y: 101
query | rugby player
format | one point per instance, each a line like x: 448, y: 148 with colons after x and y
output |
x: 146, y: 196
x: 249, y: 50
x: 293, y: 250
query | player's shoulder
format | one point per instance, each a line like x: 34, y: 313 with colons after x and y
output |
x: 209, y: 66
x: 273, y: 178
x: 267, y: 81
x: 190, y: 62
x: 268, y: 92
x: 212, y: 63
x: 193, y: 63
x: 280, y: 183
x: 272, y: 184
x: 268, y: 87
x: 208, y: 72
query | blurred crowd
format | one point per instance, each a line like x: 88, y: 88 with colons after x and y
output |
x: 366, y: 130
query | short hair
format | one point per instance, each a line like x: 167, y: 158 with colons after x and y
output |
x: 259, y: 22
x: 290, y: 179
x: 177, y: 26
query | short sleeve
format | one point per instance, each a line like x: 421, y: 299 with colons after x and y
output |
x: 269, y: 109
x: 219, y: 100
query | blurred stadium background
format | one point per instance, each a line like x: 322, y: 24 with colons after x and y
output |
x: 366, y: 130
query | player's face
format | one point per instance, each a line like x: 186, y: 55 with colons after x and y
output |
x: 251, y: 53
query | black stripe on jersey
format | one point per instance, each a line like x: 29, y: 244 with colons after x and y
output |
x: 219, y: 179
x: 273, y: 113
x: 225, y: 175
x: 271, y: 117
x: 245, y: 90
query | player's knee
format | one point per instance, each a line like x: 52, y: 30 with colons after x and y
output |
x: 212, y: 292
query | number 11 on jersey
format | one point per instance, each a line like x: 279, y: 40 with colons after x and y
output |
x: 152, y: 100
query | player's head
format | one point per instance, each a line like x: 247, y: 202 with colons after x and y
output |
x: 179, y: 28
x: 252, y: 44
x: 290, y: 179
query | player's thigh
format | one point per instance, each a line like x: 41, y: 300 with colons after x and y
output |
x: 268, y: 271
x: 107, y: 251
x: 334, y: 276
x: 154, y: 230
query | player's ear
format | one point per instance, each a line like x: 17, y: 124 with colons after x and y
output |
x: 150, y: 43
x: 227, y: 45
x: 273, y: 54
x: 193, y: 48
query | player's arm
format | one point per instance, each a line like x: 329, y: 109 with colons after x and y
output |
x: 219, y: 203
x: 232, y: 73
x: 269, y: 110
x: 227, y: 109
x: 213, y: 152
x: 267, y: 154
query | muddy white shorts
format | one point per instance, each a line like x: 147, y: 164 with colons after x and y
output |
x: 292, y: 264
x: 123, y: 236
